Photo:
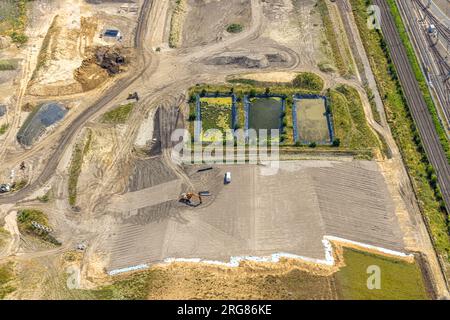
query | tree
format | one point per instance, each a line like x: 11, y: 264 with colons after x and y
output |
x: 336, y: 142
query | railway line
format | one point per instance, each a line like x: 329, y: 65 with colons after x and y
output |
x: 416, y: 102
x: 442, y: 28
x: 435, y: 65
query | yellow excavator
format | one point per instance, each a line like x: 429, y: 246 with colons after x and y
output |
x: 187, y: 198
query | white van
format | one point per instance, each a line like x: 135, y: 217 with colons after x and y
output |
x: 227, y: 177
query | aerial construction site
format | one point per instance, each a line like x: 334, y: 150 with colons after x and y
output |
x: 222, y: 149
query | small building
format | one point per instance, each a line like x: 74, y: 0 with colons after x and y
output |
x: 112, y: 35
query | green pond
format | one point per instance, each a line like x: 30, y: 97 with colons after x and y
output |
x: 265, y: 113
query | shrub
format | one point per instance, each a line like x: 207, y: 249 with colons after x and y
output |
x: 18, y: 37
x: 308, y: 81
x: 336, y: 142
x: 234, y: 28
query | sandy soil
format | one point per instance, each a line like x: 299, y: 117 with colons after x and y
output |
x: 200, y: 28
x: 248, y: 281
x: 65, y: 64
x: 291, y: 29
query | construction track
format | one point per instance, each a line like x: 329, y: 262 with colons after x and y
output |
x: 416, y: 101
x: 72, y: 130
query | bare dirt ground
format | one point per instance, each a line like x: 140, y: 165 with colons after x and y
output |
x: 113, y: 169
x: 201, y: 29
x: 285, y: 280
x: 65, y: 60
x: 298, y: 26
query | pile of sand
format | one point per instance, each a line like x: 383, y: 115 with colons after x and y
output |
x: 66, y: 63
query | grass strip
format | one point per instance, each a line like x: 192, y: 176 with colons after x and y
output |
x: 176, y: 24
x: 118, y: 115
x: 75, y: 166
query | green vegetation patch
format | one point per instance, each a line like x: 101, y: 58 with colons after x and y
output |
x: 308, y: 81
x: 235, y: 28
x: 25, y: 218
x: 404, y: 130
x: 75, y: 166
x: 360, y: 140
x: 216, y: 114
x: 176, y: 23
x: 3, y: 128
x: 45, y: 198
x: 13, y: 20
x: 6, y: 65
x: 350, y: 124
x: 118, y: 115
x: 6, y: 278
x: 136, y: 286
x: 400, y: 280
x: 19, y: 185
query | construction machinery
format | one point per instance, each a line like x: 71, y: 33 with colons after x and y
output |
x: 133, y: 96
x: 5, y: 188
x: 188, y: 197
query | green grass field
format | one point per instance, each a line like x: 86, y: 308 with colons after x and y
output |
x: 118, y: 115
x: 216, y: 114
x: 350, y: 123
x: 400, y: 280
x: 79, y: 151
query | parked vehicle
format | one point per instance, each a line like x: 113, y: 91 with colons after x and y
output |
x: 228, y: 177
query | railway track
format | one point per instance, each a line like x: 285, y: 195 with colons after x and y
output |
x: 416, y: 102
x: 442, y: 28
x: 435, y: 65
